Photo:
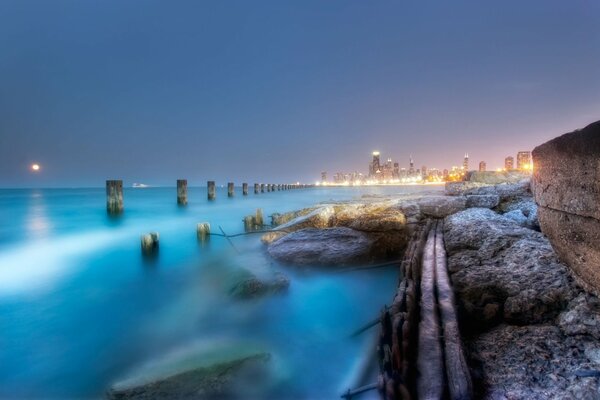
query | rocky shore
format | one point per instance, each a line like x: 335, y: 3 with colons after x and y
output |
x: 530, y: 331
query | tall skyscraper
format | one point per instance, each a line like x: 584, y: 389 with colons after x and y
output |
x: 509, y: 163
x: 411, y: 168
x: 324, y: 176
x: 423, y: 172
x: 482, y: 166
x: 524, y: 160
x: 466, y: 162
x: 396, y: 171
x: 375, y: 164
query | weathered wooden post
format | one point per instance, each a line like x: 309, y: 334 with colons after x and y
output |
x: 256, y: 188
x: 182, y: 192
x: 149, y: 243
x: 279, y: 187
x: 212, y: 193
x: 249, y: 223
x: 114, y: 196
x: 244, y: 189
x: 268, y: 187
x: 262, y: 187
x: 230, y: 189
x: 258, y: 219
x: 203, y: 232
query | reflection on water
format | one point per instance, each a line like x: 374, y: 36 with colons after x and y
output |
x: 80, y: 309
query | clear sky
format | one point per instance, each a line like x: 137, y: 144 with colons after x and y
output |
x: 151, y: 91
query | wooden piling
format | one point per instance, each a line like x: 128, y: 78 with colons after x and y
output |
x: 182, y: 192
x: 149, y: 243
x: 268, y: 187
x: 278, y: 187
x: 258, y: 219
x: 256, y: 188
x: 249, y: 223
x: 244, y: 189
x: 212, y: 192
x: 230, y: 189
x: 262, y: 187
x: 203, y: 232
x: 114, y: 196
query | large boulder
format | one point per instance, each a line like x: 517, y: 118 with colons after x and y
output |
x: 326, y: 247
x: 502, y: 271
x: 496, y: 177
x: 566, y: 186
x: 441, y: 206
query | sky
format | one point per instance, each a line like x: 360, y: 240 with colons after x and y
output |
x: 278, y: 91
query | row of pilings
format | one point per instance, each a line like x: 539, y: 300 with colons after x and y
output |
x: 115, y: 203
x: 419, y: 347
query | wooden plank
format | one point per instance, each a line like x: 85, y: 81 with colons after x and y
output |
x: 460, y: 386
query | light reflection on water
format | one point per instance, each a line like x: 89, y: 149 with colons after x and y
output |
x: 80, y: 310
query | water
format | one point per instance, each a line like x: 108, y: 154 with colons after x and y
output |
x: 80, y: 309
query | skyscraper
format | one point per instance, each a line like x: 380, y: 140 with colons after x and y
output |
x: 509, y: 163
x: 411, y: 168
x: 324, y: 176
x: 375, y: 164
x: 524, y: 160
x: 466, y: 162
x: 482, y: 166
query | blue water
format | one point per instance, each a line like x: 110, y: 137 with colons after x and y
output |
x: 80, y: 309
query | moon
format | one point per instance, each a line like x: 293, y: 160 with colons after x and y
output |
x: 35, y: 167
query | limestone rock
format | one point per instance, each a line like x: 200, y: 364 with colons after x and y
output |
x: 483, y: 200
x: 567, y: 189
x: 532, y: 362
x: 441, y: 206
x: 327, y: 247
x: 502, y: 271
x: 582, y: 316
x: 496, y: 177
x: 318, y: 218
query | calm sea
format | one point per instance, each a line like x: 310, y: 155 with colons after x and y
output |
x: 80, y: 309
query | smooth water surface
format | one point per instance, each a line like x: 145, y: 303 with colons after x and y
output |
x: 80, y: 309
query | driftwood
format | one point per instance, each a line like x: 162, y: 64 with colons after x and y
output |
x: 430, y: 382
x: 350, y: 393
x: 457, y: 371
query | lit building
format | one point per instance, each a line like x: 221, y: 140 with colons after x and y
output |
x: 324, y: 176
x: 424, y: 172
x: 411, y: 168
x: 375, y: 166
x: 396, y: 173
x: 466, y: 162
x: 509, y: 163
x: 524, y: 160
x: 482, y: 166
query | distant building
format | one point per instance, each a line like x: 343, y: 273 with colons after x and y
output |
x: 509, y: 163
x: 396, y: 173
x: 375, y: 166
x: 466, y: 162
x: 524, y: 160
x: 411, y: 167
x: 324, y: 176
x: 423, y: 172
x: 445, y: 174
x: 482, y: 166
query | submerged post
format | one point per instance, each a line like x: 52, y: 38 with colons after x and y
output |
x: 249, y: 223
x: 114, y: 196
x: 244, y: 189
x: 262, y: 187
x: 182, y: 192
x: 203, y: 232
x: 212, y: 194
x: 149, y: 243
x: 230, y: 189
x: 256, y: 188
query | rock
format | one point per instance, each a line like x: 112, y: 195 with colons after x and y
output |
x: 531, y: 362
x: 506, y: 191
x: 328, y: 247
x: 252, y: 286
x: 582, y: 316
x: 209, y: 374
x: 496, y: 177
x: 370, y: 218
x: 441, y: 206
x: 495, y: 261
x: 566, y: 186
x: 483, y: 200
x: 270, y: 237
x: 517, y: 216
x: 318, y: 218
x: 280, y: 219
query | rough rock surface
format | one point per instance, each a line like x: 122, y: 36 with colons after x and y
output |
x: 331, y: 246
x: 503, y: 271
x: 529, y: 331
x: 495, y: 177
x: 566, y: 185
x: 441, y: 206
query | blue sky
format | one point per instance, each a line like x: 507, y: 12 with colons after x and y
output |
x: 151, y: 91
